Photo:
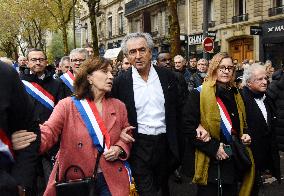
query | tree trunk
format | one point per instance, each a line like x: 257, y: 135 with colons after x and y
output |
x: 174, y: 28
x: 65, y: 39
x: 92, y: 14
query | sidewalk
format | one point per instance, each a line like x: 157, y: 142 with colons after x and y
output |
x: 270, y: 188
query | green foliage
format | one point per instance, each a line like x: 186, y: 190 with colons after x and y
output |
x: 56, y: 47
x: 25, y: 23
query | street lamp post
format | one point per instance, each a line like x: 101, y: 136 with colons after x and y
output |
x: 205, y: 25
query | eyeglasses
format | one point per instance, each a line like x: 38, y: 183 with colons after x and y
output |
x: 78, y: 60
x: 224, y: 68
x: 34, y: 60
x: 133, y: 52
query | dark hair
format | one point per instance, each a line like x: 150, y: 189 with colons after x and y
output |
x: 81, y: 84
x: 35, y: 50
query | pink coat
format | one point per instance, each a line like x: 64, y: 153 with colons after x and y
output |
x: 76, y: 147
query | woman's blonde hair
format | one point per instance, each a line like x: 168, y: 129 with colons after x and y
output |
x: 214, y: 65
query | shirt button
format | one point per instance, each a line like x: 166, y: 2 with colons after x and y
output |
x: 120, y: 169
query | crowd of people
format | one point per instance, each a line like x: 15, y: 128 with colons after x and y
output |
x: 215, y: 121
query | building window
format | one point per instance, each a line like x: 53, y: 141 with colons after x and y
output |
x: 154, y: 24
x: 240, y: 8
x: 109, y: 21
x: 278, y: 3
x: 211, y: 22
x: 240, y: 11
x: 120, y: 23
x: 277, y: 9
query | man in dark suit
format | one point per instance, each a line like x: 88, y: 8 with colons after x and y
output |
x: 259, y: 112
x: 17, y: 169
x: 150, y: 95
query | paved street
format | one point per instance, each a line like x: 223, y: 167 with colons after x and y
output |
x: 269, y: 189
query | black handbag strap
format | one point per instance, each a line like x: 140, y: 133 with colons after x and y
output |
x: 75, y: 166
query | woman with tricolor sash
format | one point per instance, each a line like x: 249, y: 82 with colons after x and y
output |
x: 219, y: 108
x: 88, y: 123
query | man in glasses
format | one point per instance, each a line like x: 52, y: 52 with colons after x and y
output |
x: 77, y: 57
x: 45, y: 92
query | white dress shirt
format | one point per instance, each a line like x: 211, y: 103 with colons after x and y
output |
x: 149, y: 103
x: 261, y: 105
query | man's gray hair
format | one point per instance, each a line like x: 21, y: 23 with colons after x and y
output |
x: 179, y: 57
x: 65, y: 58
x: 79, y: 50
x: 249, y: 72
x: 146, y: 36
x: 203, y: 60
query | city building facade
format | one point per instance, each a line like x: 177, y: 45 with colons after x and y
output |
x: 247, y: 29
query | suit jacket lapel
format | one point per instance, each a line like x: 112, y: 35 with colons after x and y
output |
x: 163, y: 81
x: 128, y: 97
x: 269, y: 113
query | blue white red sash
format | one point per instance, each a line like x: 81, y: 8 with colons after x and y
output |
x: 68, y: 79
x: 226, y: 122
x: 6, y: 146
x: 40, y: 94
x: 93, y: 122
x: 96, y: 127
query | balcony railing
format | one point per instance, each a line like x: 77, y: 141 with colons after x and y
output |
x: 240, y: 18
x: 276, y: 11
x: 135, y: 5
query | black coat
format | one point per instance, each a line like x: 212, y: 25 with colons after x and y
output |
x: 263, y: 145
x: 191, y: 120
x: 17, y: 113
x: 66, y: 92
x: 275, y: 91
x: 123, y: 90
x: 195, y: 81
x: 54, y: 87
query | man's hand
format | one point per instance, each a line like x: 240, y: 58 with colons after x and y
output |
x: 202, y: 134
x: 22, y: 139
x: 124, y: 135
x: 246, y: 139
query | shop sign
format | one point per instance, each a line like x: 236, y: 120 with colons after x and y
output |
x: 255, y: 30
x: 198, y: 38
x: 273, y: 29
